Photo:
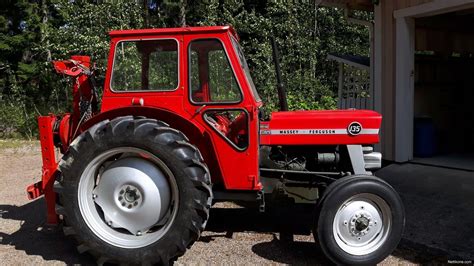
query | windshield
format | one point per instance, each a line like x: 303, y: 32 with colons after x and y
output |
x: 245, y: 67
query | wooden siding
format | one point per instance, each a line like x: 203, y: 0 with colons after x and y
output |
x: 388, y: 76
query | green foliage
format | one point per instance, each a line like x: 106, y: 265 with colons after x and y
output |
x: 32, y: 33
x: 15, y: 122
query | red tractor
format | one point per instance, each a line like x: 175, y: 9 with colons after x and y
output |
x: 180, y: 126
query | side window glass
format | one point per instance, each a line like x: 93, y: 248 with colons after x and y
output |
x: 211, y: 77
x: 145, y: 65
x: 231, y: 124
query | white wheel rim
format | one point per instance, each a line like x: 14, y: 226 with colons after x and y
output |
x: 362, y: 224
x: 137, y: 202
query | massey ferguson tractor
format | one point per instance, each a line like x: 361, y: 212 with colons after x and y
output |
x: 180, y: 126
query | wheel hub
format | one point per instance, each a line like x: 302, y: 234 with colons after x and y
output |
x: 133, y: 194
x: 361, y: 224
x: 129, y: 196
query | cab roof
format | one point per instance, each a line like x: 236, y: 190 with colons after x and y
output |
x: 170, y: 31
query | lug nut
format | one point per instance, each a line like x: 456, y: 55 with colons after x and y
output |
x: 121, y: 191
x: 94, y: 196
x: 109, y: 223
x: 120, y: 197
x: 135, y: 203
x: 139, y: 233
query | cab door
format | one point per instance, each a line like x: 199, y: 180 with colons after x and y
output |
x: 218, y: 99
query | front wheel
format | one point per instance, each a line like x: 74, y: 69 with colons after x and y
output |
x: 361, y: 220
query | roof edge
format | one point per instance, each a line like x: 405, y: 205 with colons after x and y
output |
x: 182, y: 30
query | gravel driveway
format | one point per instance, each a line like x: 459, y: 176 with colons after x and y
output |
x: 234, y: 235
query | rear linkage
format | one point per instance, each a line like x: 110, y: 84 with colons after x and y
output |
x: 64, y: 128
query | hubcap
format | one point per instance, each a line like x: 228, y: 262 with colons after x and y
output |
x: 362, y: 224
x: 128, y: 197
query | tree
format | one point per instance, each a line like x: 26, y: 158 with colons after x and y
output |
x: 32, y: 33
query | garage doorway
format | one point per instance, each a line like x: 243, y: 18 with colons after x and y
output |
x: 435, y: 88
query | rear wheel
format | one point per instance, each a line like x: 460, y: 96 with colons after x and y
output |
x: 361, y: 220
x: 134, y: 191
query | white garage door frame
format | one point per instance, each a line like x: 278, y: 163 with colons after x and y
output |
x: 405, y: 67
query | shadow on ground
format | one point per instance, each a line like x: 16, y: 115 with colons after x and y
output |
x: 35, y: 238
x: 284, y: 224
x: 50, y: 243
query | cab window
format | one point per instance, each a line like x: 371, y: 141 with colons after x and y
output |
x: 230, y: 124
x: 145, y: 65
x: 212, y: 79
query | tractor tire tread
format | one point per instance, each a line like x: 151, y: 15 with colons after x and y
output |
x: 152, y: 131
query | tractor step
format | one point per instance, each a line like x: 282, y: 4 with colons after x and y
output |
x: 249, y: 196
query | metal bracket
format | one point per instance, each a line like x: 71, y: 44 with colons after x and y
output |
x: 356, y: 155
x: 261, y: 201
x: 35, y: 190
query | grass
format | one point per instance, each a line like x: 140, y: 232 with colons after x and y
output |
x: 16, y: 143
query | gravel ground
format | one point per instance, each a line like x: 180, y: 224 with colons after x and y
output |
x: 234, y: 235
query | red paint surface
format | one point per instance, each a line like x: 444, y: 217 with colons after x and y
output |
x: 320, y: 120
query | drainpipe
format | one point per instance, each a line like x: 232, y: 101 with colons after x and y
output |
x: 370, y: 25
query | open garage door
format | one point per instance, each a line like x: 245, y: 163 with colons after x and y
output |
x: 444, y: 90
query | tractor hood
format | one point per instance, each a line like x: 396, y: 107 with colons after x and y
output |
x: 321, y: 128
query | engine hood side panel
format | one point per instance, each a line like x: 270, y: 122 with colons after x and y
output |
x: 321, y: 128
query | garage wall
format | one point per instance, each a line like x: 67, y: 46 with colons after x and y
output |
x: 397, y: 124
x: 385, y: 40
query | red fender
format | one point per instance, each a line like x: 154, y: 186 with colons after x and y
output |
x: 195, y: 132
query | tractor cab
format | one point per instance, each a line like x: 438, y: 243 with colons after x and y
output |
x: 197, y: 80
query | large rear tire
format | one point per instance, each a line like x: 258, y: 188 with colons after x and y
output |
x: 360, y: 220
x: 134, y: 191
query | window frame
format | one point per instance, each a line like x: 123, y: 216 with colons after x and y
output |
x: 220, y: 133
x: 143, y: 91
x: 245, y: 68
x: 190, y: 91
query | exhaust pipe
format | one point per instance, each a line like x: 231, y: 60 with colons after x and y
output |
x: 280, y: 86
